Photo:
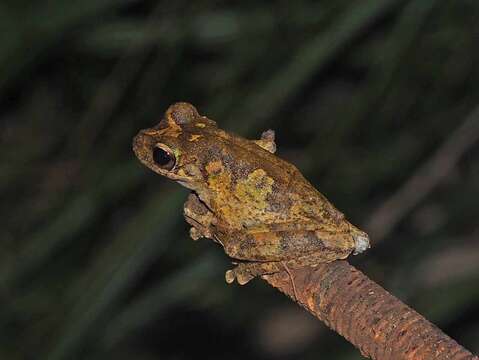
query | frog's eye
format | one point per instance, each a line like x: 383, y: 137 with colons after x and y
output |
x: 164, y: 157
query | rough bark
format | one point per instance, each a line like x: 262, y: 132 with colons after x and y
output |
x: 377, y: 323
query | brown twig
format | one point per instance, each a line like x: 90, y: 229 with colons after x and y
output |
x: 377, y: 323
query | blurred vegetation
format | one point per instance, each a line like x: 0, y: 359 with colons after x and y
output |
x: 96, y: 262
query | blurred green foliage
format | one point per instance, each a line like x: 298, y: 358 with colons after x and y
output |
x: 95, y: 257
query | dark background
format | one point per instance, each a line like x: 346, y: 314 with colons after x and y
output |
x: 375, y: 102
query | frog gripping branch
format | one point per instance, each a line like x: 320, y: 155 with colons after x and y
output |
x: 273, y: 223
x: 260, y: 208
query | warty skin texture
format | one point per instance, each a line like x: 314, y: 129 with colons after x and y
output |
x: 258, y: 206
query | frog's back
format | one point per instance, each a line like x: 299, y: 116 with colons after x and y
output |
x: 274, y: 186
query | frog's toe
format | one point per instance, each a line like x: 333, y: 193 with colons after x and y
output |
x: 267, y: 141
x: 242, y: 276
x: 361, y: 243
x: 195, y: 234
x: 230, y: 276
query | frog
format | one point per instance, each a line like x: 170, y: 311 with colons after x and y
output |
x: 259, y: 207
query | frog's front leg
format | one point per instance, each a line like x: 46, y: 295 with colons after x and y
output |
x: 201, y: 219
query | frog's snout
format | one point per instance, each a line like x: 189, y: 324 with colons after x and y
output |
x: 361, y: 241
x: 137, y: 143
x: 140, y: 145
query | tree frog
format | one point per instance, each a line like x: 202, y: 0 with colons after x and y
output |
x: 259, y: 207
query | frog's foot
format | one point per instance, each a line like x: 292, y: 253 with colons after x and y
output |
x: 198, y: 231
x: 196, y: 234
x: 244, y: 272
x: 267, y: 141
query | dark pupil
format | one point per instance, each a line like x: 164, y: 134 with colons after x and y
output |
x: 161, y: 157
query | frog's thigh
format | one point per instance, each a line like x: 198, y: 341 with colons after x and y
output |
x: 286, y: 245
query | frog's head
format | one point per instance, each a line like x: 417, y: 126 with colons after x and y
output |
x: 174, y: 147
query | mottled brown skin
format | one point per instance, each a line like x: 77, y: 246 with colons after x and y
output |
x: 260, y: 208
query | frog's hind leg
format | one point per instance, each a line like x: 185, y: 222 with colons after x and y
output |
x: 246, y: 271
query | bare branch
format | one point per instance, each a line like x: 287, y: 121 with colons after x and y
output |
x: 377, y: 323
